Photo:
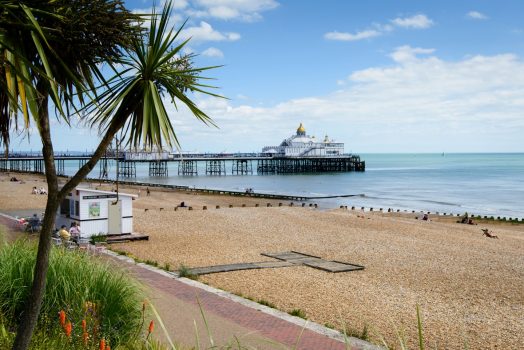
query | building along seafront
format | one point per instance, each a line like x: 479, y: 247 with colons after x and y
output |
x: 303, y: 145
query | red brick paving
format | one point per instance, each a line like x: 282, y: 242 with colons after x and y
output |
x: 269, y: 326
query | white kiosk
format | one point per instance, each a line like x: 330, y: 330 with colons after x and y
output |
x: 97, y: 212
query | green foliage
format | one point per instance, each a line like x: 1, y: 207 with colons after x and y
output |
x: 298, y: 313
x: 77, y: 284
x: 355, y: 333
x: 151, y: 262
x: 266, y: 303
x: 155, y: 67
x: 101, y: 238
x: 58, y: 43
x: 185, y: 271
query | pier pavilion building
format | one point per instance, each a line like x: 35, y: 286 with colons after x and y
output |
x: 303, y: 145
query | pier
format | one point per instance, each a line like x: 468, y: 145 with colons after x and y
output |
x: 215, y: 164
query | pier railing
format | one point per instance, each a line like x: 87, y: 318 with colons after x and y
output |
x: 188, y: 164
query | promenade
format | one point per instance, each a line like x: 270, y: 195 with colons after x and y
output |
x: 182, y: 303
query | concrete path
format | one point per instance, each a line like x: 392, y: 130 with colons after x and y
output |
x: 181, y: 303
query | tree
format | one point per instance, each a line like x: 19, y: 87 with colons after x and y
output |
x: 54, y: 61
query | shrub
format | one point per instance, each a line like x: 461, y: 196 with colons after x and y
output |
x: 100, y: 238
x: 185, y: 271
x: 267, y: 303
x: 298, y: 313
x: 77, y: 284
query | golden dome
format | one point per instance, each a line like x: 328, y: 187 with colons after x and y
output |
x: 301, y: 129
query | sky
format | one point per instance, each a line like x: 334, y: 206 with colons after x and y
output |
x: 381, y: 76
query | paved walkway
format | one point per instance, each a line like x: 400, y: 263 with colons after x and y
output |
x: 228, y: 316
x: 182, y: 305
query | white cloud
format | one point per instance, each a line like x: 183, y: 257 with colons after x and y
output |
x: 418, y: 104
x: 406, y: 53
x: 366, y: 34
x: 417, y: 22
x: 476, y: 15
x: 232, y: 9
x: 205, y: 32
x: 213, y: 52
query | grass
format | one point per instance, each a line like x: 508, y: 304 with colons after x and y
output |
x: 76, y: 283
x: 355, y: 333
x: 298, y: 313
x: 185, y: 271
x: 151, y: 262
x: 266, y: 303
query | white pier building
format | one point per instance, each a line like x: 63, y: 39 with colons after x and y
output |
x: 302, y: 145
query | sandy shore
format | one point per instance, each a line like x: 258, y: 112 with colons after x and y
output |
x: 470, y: 288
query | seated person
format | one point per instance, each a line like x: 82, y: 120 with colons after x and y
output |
x: 35, y: 190
x: 74, y: 231
x: 64, y: 234
x: 34, y: 223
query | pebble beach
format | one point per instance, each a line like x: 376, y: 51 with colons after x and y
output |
x: 469, y: 288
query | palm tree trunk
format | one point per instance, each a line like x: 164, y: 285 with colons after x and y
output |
x: 55, y: 196
x: 34, y: 301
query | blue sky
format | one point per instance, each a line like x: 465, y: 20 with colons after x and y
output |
x: 381, y: 76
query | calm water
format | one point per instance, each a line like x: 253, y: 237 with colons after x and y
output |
x: 481, y: 184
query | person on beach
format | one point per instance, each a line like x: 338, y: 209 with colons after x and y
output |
x: 74, y: 231
x: 147, y: 192
x: 64, y: 234
x: 35, y: 190
x: 488, y: 233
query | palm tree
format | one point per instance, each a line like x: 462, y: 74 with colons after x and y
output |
x: 130, y: 101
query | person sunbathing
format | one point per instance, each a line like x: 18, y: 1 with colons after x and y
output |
x: 488, y: 233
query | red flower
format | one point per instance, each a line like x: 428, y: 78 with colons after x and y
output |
x: 85, y: 337
x: 84, y: 325
x: 68, y: 328
x: 102, y: 344
x: 62, y: 318
x: 151, y: 326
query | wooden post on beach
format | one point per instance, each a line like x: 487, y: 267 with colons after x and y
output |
x: 218, y: 206
x: 268, y: 204
x: 279, y: 204
x: 256, y: 205
x: 204, y: 207
x: 231, y: 205
x: 243, y: 205
x: 303, y: 205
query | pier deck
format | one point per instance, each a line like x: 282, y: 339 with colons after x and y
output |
x: 215, y: 164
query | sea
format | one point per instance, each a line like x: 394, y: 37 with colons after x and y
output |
x: 479, y: 183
